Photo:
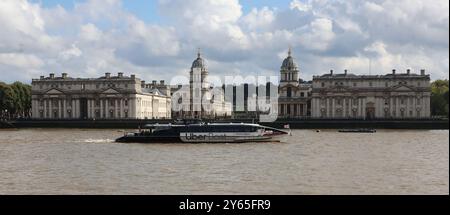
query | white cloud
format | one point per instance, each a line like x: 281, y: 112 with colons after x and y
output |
x: 21, y: 61
x: 72, y: 52
x: 297, y: 4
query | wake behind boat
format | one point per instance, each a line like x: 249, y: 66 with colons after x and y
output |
x: 203, y: 133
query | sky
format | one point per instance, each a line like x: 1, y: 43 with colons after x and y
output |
x: 159, y: 39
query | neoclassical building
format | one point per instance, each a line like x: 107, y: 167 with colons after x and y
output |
x: 294, y: 94
x: 107, y: 97
x: 394, y: 95
x: 200, y: 90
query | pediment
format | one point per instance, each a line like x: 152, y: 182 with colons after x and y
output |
x: 110, y: 91
x: 402, y: 88
x: 54, y: 91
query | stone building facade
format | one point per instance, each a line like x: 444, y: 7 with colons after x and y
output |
x: 294, y: 94
x: 107, y: 97
x: 394, y: 95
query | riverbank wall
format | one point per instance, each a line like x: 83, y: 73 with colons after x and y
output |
x: 293, y: 124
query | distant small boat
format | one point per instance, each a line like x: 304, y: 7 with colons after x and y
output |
x: 359, y: 130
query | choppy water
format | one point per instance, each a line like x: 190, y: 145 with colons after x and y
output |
x: 76, y: 161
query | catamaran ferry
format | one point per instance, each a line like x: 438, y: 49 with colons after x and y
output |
x: 203, y: 133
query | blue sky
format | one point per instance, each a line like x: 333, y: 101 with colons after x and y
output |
x: 159, y: 39
x: 148, y: 12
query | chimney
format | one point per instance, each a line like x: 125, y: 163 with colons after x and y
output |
x: 422, y: 72
x: 133, y: 76
x: 42, y: 77
x: 331, y: 72
x: 154, y: 82
x: 107, y: 75
x: 120, y: 75
x: 161, y: 82
x: 393, y: 71
x: 52, y: 75
x: 408, y: 71
x: 345, y: 72
x: 64, y: 75
x: 143, y: 84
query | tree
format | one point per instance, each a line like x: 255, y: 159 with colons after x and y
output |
x: 439, y: 98
x: 15, y: 100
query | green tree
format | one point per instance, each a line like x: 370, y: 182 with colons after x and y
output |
x: 439, y: 98
x: 15, y: 100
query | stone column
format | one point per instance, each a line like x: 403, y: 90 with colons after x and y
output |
x: 107, y: 108
x: 364, y: 107
x: 397, y: 107
x: 116, y: 109
x: 359, y: 108
x: 77, y: 107
x: 121, y: 109
x: 101, y: 108
x: 327, y: 106
x: 50, y: 108
x: 59, y: 109
x: 333, y: 107
x: 64, y: 110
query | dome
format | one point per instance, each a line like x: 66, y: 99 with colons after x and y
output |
x: 288, y: 63
x: 199, y: 62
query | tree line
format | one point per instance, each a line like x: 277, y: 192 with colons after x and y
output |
x: 439, y: 98
x: 15, y: 100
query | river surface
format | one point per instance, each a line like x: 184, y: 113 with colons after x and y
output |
x: 86, y: 161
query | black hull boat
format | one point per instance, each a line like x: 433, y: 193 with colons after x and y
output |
x: 203, y: 133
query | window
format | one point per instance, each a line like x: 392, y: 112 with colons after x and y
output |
x: 323, y: 84
x: 402, y: 101
x: 112, y: 102
x: 97, y: 86
x: 386, y: 84
x: 338, y: 101
x: 354, y: 84
x: 289, y: 92
x: 370, y: 84
x: 83, y: 86
x: 126, y: 102
x: 418, y: 83
x: 302, y: 94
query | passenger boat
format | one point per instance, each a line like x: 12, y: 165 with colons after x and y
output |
x: 359, y: 130
x: 203, y: 133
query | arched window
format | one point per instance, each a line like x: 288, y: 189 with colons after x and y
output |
x: 289, y: 92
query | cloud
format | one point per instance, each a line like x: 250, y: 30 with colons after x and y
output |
x: 97, y: 36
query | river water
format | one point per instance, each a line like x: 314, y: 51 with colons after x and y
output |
x: 84, y: 161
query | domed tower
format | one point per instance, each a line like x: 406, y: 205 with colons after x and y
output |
x: 289, y: 70
x: 199, y: 87
x: 199, y: 71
